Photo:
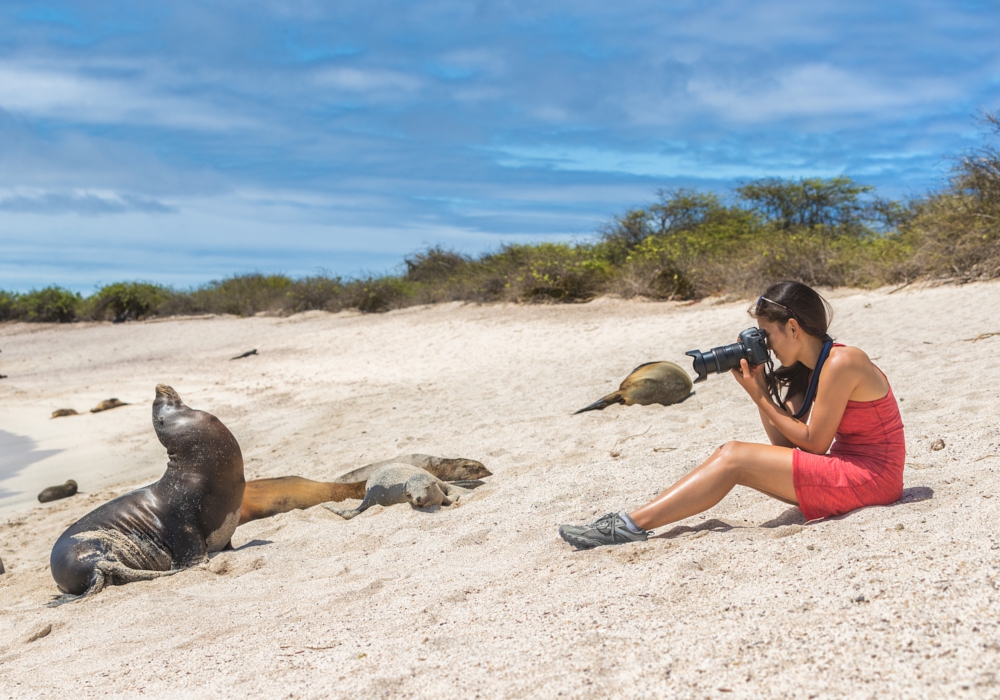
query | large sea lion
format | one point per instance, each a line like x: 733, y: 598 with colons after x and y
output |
x: 654, y: 382
x: 169, y: 525
x: 403, y: 483
x: 445, y: 469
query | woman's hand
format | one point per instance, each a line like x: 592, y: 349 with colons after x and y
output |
x: 752, y: 379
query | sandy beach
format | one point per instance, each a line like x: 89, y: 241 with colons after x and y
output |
x: 482, y: 599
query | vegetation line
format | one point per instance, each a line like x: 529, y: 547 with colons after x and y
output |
x: 686, y: 245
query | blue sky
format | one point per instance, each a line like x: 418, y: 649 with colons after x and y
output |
x: 188, y: 141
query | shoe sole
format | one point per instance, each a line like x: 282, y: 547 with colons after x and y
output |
x: 579, y: 542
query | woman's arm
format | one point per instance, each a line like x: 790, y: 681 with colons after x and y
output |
x: 773, y: 434
x: 841, y: 374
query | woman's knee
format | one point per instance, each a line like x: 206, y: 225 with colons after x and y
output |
x: 730, y: 455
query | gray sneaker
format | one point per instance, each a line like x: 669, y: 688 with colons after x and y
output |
x: 608, y: 529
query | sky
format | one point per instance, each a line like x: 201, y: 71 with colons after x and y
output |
x: 184, y: 142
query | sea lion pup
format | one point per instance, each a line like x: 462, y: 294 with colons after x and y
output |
x: 169, y: 525
x: 403, y: 483
x: 61, y: 412
x: 445, y: 469
x: 54, y: 493
x: 107, y: 405
x: 654, y: 382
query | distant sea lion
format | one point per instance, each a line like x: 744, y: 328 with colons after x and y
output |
x: 60, y: 412
x: 445, y: 469
x: 654, y: 382
x: 403, y: 483
x: 107, y: 405
x: 169, y: 525
x: 54, y: 493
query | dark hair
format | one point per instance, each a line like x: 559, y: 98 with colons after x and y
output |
x: 782, y: 302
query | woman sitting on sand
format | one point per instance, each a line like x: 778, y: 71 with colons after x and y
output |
x: 853, y: 403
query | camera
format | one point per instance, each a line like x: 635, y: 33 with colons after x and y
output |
x: 751, y: 347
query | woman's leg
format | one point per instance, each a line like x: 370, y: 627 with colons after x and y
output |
x: 766, y: 468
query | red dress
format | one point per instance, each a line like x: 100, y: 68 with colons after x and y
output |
x: 864, y: 466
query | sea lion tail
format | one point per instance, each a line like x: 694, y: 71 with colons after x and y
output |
x: 601, y: 404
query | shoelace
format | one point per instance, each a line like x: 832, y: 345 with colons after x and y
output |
x: 607, y: 522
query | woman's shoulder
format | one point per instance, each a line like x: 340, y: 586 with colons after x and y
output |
x: 846, y: 357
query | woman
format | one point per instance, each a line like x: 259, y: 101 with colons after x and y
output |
x: 849, y: 405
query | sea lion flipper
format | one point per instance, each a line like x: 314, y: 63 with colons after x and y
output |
x: 468, y: 483
x: 601, y: 404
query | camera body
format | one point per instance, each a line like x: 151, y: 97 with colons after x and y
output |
x: 752, y: 347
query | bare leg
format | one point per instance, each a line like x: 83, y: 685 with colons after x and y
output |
x: 766, y: 468
x: 266, y: 497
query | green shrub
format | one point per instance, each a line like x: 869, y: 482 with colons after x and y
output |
x: 8, y: 306
x: 320, y: 293
x: 127, y: 301
x: 49, y: 305
x: 243, y: 295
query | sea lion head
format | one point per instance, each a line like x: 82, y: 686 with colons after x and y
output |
x: 179, y: 427
x: 460, y: 468
x: 422, y: 490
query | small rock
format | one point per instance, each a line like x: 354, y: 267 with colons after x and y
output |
x: 810, y: 547
x: 42, y: 632
x: 899, y: 526
x: 860, y: 599
x: 937, y: 445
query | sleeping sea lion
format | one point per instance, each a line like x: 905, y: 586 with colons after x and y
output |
x: 60, y: 412
x: 403, y: 483
x: 266, y: 497
x: 54, y: 493
x: 443, y: 468
x: 164, y: 527
x: 654, y: 382
x: 107, y: 405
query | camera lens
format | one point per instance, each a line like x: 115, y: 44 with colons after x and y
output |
x: 717, y: 360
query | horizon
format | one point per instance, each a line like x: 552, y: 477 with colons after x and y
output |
x: 184, y: 144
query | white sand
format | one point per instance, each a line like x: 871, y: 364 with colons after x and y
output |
x: 483, y: 599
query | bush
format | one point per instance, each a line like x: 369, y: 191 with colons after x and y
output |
x: 243, y: 295
x: 128, y: 301
x: 315, y: 293
x: 49, y: 305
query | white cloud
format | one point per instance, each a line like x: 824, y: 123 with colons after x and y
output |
x: 813, y: 90
x: 367, y: 80
x: 46, y: 93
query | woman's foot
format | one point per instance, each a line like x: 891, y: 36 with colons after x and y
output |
x: 608, y: 529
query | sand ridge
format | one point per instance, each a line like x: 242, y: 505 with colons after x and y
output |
x: 482, y: 598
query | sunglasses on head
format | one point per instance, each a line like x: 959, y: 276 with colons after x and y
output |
x: 761, y: 299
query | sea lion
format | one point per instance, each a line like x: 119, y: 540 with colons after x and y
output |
x: 164, y: 527
x: 403, y: 483
x: 2, y: 570
x: 54, y: 493
x: 654, y: 382
x: 107, y: 405
x: 60, y: 412
x: 266, y: 497
x: 443, y: 468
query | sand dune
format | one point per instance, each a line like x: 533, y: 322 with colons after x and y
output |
x: 483, y: 599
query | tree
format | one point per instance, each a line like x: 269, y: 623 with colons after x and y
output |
x: 811, y: 202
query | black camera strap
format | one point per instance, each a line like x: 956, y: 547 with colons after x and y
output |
x: 813, y: 382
